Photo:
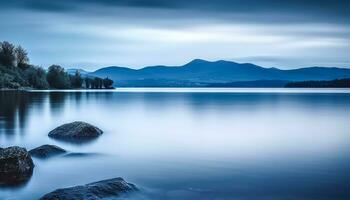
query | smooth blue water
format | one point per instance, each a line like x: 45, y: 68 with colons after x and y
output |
x: 190, y: 143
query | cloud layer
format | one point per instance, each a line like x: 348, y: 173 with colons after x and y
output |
x: 96, y: 33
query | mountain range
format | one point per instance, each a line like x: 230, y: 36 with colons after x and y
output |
x: 223, y: 73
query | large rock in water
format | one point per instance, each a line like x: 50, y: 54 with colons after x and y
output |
x: 76, y: 131
x: 106, y: 189
x: 16, y: 165
x: 46, y: 151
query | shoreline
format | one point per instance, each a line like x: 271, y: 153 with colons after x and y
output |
x: 167, y: 87
x: 51, y: 89
x: 203, y: 90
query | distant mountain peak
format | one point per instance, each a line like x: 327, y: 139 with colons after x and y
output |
x: 225, y: 61
x: 202, y: 61
x: 197, y: 61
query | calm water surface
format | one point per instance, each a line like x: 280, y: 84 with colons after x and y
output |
x: 190, y: 143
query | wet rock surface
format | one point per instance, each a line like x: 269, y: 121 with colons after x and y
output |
x: 16, y: 165
x: 75, y: 132
x: 46, y: 151
x: 106, y: 189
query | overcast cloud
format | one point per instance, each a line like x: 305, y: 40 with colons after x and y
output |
x: 94, y: 33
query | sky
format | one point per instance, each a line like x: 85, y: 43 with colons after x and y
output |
x: 91, y: 34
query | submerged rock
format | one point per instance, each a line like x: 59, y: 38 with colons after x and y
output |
x: 16, y: 165
x: 76, y: 131
x: 106, y: 189
x: 46, y: 151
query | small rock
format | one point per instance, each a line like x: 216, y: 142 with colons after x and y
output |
x: 16, y: 165
x: 46, y: 151
x: 76, y: 131
x: 106, y: 189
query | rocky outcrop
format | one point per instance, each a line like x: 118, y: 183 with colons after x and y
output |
x: 16, y: 165
x: 46, y: 151
x: 76, y: 131
x: 106, y: 189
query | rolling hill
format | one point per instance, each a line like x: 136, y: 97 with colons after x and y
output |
x: 202, y: 73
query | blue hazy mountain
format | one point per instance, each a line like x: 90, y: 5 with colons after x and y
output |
x: 201, y: 73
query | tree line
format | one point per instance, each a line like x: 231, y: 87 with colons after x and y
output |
x: 17, y: 72
x: 337, y: 83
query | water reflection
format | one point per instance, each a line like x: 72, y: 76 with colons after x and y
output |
x: 190, y: 145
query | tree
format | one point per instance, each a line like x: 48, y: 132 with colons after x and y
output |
x: 76, y: 80
x: 88, y: 82
x: 21, y: 57
x: 107, y: 83
x: 36, y: 77
x: 7, y: 54
x: 57, y: 77
x: 100, y: 83
x: 93, y: 83
x: 97, y: 83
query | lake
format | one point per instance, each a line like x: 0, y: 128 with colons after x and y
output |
x: 189, y: 143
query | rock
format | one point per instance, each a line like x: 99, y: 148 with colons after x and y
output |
x: 110, y: 189
x: 16, y: 165
x: 75, y: 131
x: 46, y: 151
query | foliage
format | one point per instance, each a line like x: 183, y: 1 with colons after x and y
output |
x: 7, y: 54
x: 97, y: 83
x: 21, y: 57
x: 7, y: 81
x: 337, y: 83
x: 107, y: 83
x: 58, y: 78
x: 76, y: 81
x: 16, y: 72
x: 11, y: 77
x: 88, y: 82
x: 36, y: 77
